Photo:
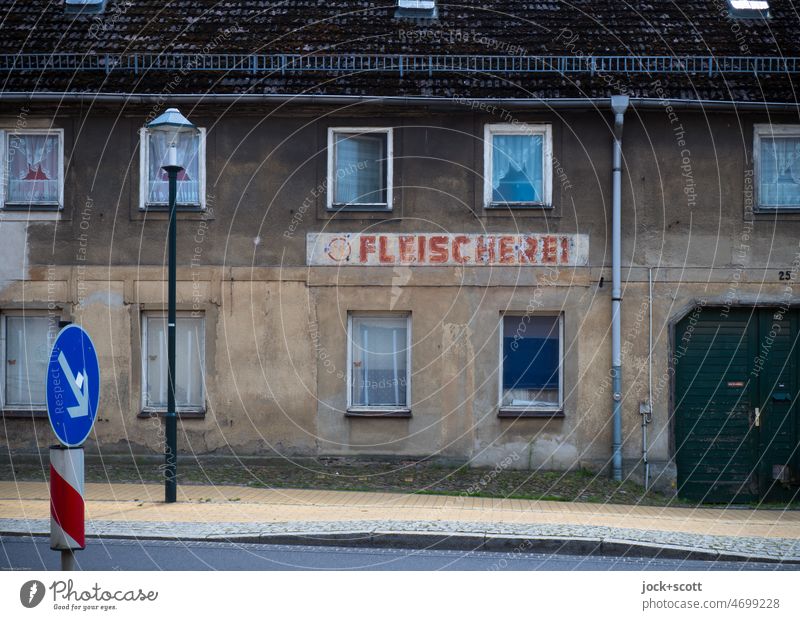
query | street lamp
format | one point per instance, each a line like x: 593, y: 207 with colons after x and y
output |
x: 172, y: 125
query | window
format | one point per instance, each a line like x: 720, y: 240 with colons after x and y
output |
x: 777, y: 166
x: 85, y: 6
x: 154, y: 184
x: 749, y: 8
x: 189, y: 366
x: 530, y: 363
x: 379, y: 362
x: 25, y: 342
x: 417, y: 4
x: 416, y: 9
x: 34, y: 169
x: 518, y: 165
x: 360, y: 168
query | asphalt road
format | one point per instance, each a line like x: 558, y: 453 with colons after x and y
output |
x: 26, y: 553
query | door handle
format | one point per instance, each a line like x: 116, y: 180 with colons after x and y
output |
x: 757, y: 421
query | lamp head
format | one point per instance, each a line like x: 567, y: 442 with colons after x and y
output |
x: 172, y: 124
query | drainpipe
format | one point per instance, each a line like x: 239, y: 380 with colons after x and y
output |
x: 619, y: 105
x: 646, y: 408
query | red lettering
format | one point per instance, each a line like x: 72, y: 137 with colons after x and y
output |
x: 484, y: 250
x: 531, y: 247
x: 383, y: 251
x: 421, y: 245
x: 406, y: 243
x: 458, y: 241
x: 549, y: 249
x: 438, y: 247
x: 367, y: 246
x: 506, y: 244
x: 564, y: 250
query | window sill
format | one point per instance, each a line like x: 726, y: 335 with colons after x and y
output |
x: 378, y: 413
x: 513, y: 413
x: 165, y: 207
x: 771, y: 213
x: 189, y: 414
x: 355, y: 208
x: 160, y: 213
x: 32, y: 206
x: 508, y: 206
x: 24, y: 413
x: 32, y: 213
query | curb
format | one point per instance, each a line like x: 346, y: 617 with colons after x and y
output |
x: 464, y: 541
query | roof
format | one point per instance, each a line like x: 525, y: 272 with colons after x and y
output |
x: 688, y: 49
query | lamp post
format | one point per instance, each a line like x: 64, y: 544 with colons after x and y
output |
x: 171, y: 124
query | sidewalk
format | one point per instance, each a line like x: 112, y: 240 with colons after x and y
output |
x: 243, y: 513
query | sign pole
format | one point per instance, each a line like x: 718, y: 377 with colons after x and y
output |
x: 67, y: 526
x: 73, y: 393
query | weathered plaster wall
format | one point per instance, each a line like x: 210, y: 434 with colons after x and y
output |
x: 276, y: 330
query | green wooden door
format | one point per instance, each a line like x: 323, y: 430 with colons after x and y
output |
x: 715, y: 445
x: 776, y: 367
x: 736, y: 404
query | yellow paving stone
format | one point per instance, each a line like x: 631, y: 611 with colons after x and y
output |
x: 143, y: 502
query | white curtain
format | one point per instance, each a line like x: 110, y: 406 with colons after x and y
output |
x: 517, y: 168
x: 189, y: 367
x: 188, y: 148
x: 779, y: 184
x: 26, y: 358
x: 360, y: 166
x: 33, y: 168
x: 380, y: 361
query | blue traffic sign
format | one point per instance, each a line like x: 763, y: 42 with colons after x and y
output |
x: 73, y: 386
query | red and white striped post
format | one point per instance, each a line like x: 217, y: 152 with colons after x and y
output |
x: 66, y: 503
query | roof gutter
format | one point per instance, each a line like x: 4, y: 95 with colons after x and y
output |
x: 484, y: 104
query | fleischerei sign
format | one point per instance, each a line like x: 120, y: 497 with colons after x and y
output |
x: 433, y: 249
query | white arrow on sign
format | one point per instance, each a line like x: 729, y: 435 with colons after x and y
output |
x: 80, y: 388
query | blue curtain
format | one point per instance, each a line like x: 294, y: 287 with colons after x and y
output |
x: 517, y: 168
x: 533, y: 365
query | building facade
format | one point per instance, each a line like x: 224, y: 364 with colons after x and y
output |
x: 416, y: 260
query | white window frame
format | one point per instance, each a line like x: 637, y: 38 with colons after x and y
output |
x: 541, y: 129
x: 538, y: 409
x: 768, y: 130
x: 3, y: 362
x: 331, y: 181
x: 5, y: 136
x: 351, y: 408
x: 157, y: 314
x: 144, y: 171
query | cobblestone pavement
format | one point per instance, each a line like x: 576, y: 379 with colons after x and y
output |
x: 774, y: 548
x: 233, y: 512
